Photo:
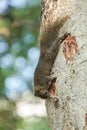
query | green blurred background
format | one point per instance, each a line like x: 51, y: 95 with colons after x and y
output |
x: 19, y: 53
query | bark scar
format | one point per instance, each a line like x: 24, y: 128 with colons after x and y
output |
x: 86, y: 119
x: 70, y: 47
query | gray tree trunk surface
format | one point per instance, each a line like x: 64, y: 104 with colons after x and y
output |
x: 70, y: 67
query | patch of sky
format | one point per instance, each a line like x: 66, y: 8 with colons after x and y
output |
x: 23, y: 3
x: 18, y: 3
x: 28, y: 39
x: 6, y: 61
x: 28, y: 73
x: 3, y: 6
x: 15, y: 85
x: 3, y: 47
x: 16, y: 47
x: 20, y: 63
x: 33, y: 55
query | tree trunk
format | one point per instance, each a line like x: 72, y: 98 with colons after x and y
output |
x: 69, y: 112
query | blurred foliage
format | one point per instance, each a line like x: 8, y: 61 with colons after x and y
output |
x: 8, y: 120
x: 19, y: 30
x: 35, y: 124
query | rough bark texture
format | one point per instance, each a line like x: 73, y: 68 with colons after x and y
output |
x: 58, y: 17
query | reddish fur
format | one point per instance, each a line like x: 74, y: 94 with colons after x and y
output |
x: 52, y: 88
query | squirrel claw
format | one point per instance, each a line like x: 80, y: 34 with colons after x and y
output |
x: 51, y: 78
x: 54, y: 97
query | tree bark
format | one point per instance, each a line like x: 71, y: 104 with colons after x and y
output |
x: 70, y: 67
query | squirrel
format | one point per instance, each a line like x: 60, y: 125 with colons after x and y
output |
x: 43, y: 70
x: 49, y: 48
